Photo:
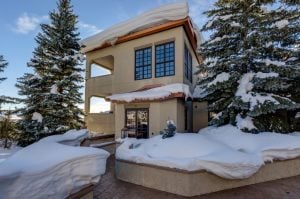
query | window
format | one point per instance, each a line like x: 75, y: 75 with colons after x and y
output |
x: 188, y: 64
x: 143, y: 63
x: 164, y: 60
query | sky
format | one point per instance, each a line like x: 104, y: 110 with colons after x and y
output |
x: 20, y: 22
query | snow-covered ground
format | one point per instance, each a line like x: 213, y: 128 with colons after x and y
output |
x: 5, y: 153
x: 224, y: 151
x: 51, y: 168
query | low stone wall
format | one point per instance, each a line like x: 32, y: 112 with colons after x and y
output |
x: 198, y: 182
x: 84, y: 193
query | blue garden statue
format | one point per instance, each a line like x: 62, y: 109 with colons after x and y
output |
x: 170, y: 130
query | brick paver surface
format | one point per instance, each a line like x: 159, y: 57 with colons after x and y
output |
x: 109, y: 187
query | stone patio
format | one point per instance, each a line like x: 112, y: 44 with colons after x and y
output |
x: 111, y: 188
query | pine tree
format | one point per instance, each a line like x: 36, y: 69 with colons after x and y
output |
x: 276, y: 40
x: 238, y: 67
x: 56, y: 61
x: 32, y: 87
x: 4, y: 99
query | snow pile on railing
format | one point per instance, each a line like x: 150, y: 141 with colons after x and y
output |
x: 163, y: 14
x: 224, y: 151
x: 47, y: 169
x: 153, y: 94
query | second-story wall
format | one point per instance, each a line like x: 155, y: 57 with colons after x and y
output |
x: 123, y: 74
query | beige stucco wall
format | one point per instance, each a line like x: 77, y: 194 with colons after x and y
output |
x: 200, y: 116
x: 159, y: 113
x: 122, y: 78
x: 198, y: 182
x: 101, y: 122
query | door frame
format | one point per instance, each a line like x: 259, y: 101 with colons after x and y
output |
x: 136, y: 110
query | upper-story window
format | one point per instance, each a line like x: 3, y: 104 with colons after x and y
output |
x: 164, y: 59
x: 188, y: 64
x: 143, y: 63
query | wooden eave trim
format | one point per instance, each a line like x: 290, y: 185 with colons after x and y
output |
x: 172, y: 96
x: 156, y: 29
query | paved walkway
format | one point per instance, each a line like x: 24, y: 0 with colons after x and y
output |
x: 111, y: 188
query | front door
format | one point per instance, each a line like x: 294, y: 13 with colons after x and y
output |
x: 137, y: 120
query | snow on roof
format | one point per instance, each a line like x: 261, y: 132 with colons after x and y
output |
x: 162, y: 92
x: 160, y: 15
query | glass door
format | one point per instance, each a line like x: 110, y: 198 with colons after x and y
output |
x: 137, y: 120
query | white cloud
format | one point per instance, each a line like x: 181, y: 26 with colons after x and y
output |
x: 26, y: 23
x: 88, y: 29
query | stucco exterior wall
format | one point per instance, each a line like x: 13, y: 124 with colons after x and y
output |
x: 122, y: 57
x: 101, y: 122
x: 200, y: 116
x: 198, y: 182
x: 159, y: 113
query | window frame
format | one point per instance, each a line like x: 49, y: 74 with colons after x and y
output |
x: 188, y: 64
x: 164, y: 59
x: 142, y: 66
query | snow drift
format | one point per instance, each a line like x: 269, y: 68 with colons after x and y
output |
x: 224, y: 151
x: 49, y: 169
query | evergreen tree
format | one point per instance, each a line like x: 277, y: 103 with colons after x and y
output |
x: 239, y: 77
x: 54, y: 91
x: 275, y: 45
x: 4, y: 99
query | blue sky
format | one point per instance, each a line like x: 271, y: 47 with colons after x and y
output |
x: 19, y: 24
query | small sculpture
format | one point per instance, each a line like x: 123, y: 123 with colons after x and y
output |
x: 170, y: 130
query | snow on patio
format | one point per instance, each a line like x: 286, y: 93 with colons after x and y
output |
x: 224, y: 151
x: 52, y: 168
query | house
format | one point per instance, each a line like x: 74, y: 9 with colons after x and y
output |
x: 151, y: 60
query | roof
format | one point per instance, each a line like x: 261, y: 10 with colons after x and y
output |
x: 153, y: 21
x: 150, y: 93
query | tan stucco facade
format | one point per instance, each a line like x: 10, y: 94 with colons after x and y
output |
x: 198, y: 182
x: 120, y: 60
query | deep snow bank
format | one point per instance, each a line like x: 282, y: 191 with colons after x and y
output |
x: 47, y: 169
x: 224, y: 151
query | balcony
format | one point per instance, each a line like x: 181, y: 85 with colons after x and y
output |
x: 99, y: 86
x: 102, y: 123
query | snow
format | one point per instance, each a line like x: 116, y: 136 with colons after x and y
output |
x: 266, y: 75
x: 235, y: 24
x: 199, y: 92
x: 160, y: 15
x: 281, y: 24
x: 5, y: 153
x: 245, y: 87
x: 224, y: 151
x: 217, y: 39
x: 270, y: 62
x: 222, y: 77
x: 244, y: 123
x: 72, y: 137
x: 210, y: 62
x: 37, y: 116
x: 152, y: 94
x: 47, y: 169
x: 53, y: 89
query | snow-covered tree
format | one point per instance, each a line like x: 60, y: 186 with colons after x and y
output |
x: 53, y: 92
x: 241, y: 79
x: 32, y: 87
x: 4, y: 99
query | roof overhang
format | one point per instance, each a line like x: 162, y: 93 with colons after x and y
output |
x: 185, y: 23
